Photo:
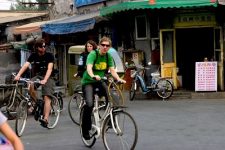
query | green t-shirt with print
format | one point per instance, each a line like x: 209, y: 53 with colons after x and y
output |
x: 99, y: 67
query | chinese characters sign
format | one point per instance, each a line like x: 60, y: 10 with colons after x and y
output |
x: 206, y: 76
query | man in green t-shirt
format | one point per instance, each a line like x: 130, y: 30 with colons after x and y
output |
x: 98, y: 62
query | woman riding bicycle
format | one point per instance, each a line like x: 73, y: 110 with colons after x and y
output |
x: 98, y: 62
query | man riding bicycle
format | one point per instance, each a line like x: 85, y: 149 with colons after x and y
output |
x: 42, y: 66
x: 98, y: 63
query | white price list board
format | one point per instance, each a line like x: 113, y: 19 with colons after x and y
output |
x: 206, y: 76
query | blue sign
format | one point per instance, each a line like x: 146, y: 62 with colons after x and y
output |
x: 86, y: 2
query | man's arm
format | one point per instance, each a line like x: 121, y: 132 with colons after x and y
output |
x: 22, y: 70
x: 48, y: 73
x: 115, y: 75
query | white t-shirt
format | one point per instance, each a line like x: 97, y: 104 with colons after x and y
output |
x: 2, y: 118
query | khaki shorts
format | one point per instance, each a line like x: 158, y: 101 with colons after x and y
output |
x: 48, y: 88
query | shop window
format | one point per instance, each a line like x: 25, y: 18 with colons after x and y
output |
x: 141, y: 27
x: 217, y: 47
x: 74, y: 59
x: 154, y: 27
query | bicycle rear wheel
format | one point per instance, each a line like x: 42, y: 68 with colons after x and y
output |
x: 60, y: 99
x: 89, y: 143
x: 54, y: 113
x: 74, y: 107
x: 127, y: 132
x: 21, y: 118
x: 164, y: 88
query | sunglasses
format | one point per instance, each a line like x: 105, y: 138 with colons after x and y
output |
x: 105, y: 45
x: 43, y: 46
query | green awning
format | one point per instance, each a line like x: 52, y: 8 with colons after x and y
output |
x: 159, y: 4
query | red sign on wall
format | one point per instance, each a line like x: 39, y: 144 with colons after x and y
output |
x: 206, y: 76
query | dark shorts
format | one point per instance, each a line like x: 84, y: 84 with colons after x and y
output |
x: 48, y: 88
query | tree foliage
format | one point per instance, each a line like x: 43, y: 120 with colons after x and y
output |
x: 42, y: 7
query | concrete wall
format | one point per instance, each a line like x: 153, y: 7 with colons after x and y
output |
x: 60, y: 9
x: 8, y: 63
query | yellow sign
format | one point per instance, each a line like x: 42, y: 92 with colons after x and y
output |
x: 187, y: 20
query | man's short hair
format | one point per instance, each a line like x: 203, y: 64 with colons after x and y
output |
x: 104, y: 38
x: 39, y: 43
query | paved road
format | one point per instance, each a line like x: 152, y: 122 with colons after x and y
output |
x: 163, y: 125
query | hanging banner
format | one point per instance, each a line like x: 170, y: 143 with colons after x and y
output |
x: 206, y: 76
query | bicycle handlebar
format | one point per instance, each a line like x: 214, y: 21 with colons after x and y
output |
x: 27, y: 80
x: 105, y: 79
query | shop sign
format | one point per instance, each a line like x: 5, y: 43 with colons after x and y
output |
x: 221, y: 2
x: 206, y: 76
x: 187, y: 20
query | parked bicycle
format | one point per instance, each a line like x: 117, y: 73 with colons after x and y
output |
x: 117, y: 127
x: 75, y: 104
x: 162, y: 86
x: 27, y: 102
x: 7, y: 99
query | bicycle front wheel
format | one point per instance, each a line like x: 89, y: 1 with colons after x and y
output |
x: 54, y: 113
x: 74, y: 107
x: 87, y: 142
x: 132, y: 91
x: 164, y: 88
x: 125, y: 134
x: 21, y: 118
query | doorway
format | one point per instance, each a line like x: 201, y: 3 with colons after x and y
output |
x: 192, y: 45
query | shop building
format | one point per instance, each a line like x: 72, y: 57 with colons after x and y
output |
x: 184, y: 32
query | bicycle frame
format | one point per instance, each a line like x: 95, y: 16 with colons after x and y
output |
x: 98, y: 120
x: 145, y: 89
x: 138, y: 77
x: 15, y: 93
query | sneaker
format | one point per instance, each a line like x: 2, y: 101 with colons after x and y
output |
x: 30, y: 109
x: 86, y: 135
x: 44, y: 123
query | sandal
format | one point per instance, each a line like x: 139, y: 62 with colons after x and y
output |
x: 44, y: 123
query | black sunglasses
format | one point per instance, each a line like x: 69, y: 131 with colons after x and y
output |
x: 43, y: 46
x: 103, y: 45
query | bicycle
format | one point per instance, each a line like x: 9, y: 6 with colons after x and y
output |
x: 162, y: 86
x: 77, y: 101
x: 9, y: 100
x: 116, y: 126
x: 26, y: 102
x: 75, y: 104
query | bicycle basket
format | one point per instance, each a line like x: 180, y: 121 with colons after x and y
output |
x: 115, y: 95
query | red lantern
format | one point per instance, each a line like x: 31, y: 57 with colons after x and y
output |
x: 151, y: 2
x: 212, y: 1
